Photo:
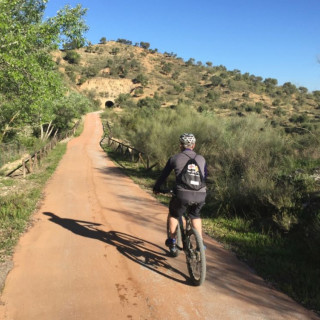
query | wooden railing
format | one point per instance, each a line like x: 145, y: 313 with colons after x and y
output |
x: 33, y: 161
x: 129, y: 152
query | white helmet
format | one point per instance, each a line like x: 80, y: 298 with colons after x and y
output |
x: 187, y: 139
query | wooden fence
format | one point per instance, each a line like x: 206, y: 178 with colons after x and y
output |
x: 129, y: 152
x: 33, y: 161
x: 8, y: 151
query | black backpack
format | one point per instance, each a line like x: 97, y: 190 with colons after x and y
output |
x: 191, y: 177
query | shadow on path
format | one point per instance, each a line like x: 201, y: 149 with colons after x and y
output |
x: 145, y: 253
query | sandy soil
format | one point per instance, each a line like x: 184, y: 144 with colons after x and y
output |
x: 96, y: 251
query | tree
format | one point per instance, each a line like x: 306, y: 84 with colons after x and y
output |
x: 68, y: 25
x: 29, y: 82
x: 145, y: 45
x: 270, y: 82
x: 289, y: 88
x: 316, y: 94
x: 190, y: 62
x: 103, y: 40
x: 125, y: 41
x: 303, y: 90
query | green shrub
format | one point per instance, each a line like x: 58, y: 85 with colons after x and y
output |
x: 245, y: 155
x: 149, y: 103
x: 72, y: 57
x: 90, y: 71
x: 141, y: 78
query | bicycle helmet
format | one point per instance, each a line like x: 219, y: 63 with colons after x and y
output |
x: 187, y: 139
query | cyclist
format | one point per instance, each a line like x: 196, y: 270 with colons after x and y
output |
x: 183, y: 197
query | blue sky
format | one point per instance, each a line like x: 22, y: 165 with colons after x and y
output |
x: 273, y: 39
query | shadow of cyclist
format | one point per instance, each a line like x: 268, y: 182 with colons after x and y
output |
x: 136, y: 249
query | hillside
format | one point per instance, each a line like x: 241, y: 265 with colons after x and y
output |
x: 104, y: 71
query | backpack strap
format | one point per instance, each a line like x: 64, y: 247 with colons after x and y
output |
x: 189, y: 156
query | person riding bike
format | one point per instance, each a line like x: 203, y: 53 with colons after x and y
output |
x: 183, y: 197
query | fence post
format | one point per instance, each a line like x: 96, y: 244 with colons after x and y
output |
x: 35, y: 160
x: 30, y: 164
x: 24, y: 168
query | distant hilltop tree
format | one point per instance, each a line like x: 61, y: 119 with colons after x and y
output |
x: 144, y: 45
x: 190, y: 62
x: 124, y: 41
x: 103, y: 40
x: 271, y: 82
x: 289, y: 88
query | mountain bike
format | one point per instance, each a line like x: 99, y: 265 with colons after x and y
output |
x: 189, y: 240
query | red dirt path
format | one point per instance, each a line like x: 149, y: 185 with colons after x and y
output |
x: 96, y: 251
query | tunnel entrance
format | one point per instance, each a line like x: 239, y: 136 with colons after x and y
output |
x: 109, y: 104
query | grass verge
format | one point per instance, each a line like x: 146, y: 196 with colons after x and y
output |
x: 19, y: 198
x: 282, y: 261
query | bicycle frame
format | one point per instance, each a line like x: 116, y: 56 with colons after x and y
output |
x: 192, y: 245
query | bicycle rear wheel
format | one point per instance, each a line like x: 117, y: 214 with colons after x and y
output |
x: 196, y: 258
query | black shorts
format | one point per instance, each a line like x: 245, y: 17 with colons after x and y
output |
x: 179, y: 204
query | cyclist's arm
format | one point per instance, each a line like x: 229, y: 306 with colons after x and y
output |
x: 164, y: 175
x: 205, y: 171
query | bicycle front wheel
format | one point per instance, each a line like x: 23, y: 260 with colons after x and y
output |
x: 196, y: 258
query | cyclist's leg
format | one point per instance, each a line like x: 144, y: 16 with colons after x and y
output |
x: 197, y: 224
x: 175, y: 211
x: 195, y: 212
x: 173, y: 223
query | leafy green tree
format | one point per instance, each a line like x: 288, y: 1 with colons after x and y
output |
x: 67, y: 108
x: 29, y: 82
x: 68, y: 25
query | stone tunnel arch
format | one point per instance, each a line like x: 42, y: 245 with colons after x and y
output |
x: 109, y: 104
